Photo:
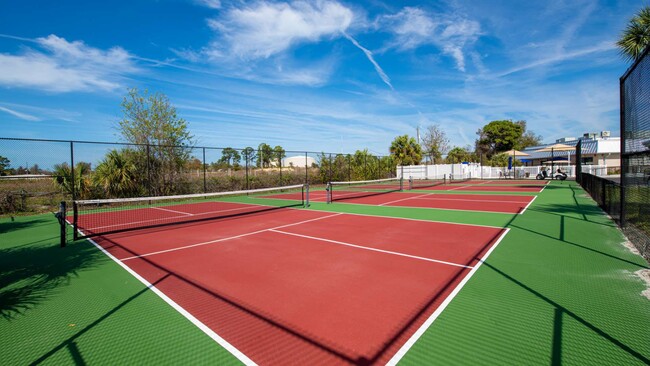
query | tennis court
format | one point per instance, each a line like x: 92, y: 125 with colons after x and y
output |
x: 296, y: 285
x: 212, y: 279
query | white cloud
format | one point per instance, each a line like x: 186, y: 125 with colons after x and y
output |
x: 413, y: 28
x: 63, y: 66
x: 265, y: 28
x: 212, y: 4
x: 25, y: 116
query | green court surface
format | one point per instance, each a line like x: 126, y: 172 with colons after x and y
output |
x: 559, y: 289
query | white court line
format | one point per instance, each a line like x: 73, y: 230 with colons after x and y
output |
x: 453, y: 189
x: 204, y: 328
x: 469, y: 200
x: 371, y: 249
x: 228, y: 238
x: 414, y: 338
x: 525, y: 208
x: 174, y: 211
x: 167, y: 218
x: 404, y: 199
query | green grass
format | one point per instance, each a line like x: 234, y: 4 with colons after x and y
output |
x: 559, y: 289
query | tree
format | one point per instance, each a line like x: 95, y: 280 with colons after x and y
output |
x: 4, y: 165
x: 249, y: 155
x: 278, y: 154
x: 151, y: 120
x: 80, y: 182
x: 230, y: 157
x: 458, y: 155
x: 498, y: 136
x: 528, y: 138
x: 435, y: 142
x: 406, y: 151
x: 364, y: 165
x: 636, y: 36
x: 117, y: 174
x: 264, y: 155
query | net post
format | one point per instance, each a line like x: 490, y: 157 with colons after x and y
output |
x: 410, y: 183
x: 306, y: 193
x: 401, y: 184
x: 61, y: 217
x: 328, y: 193
x: 75, y: 221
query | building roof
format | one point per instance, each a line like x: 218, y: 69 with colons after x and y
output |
x: 589, y: 147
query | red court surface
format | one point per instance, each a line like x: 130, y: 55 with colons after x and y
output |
x: 468, y: 202
x: 307, y: 287
x: 471, y: 186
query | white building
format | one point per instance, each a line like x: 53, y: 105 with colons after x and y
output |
x: 298, y: 161
x: 597, y: 149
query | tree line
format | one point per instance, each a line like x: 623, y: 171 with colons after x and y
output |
x: 493, y: 140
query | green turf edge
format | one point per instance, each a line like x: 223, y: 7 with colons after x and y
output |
x: 559, y: 289
x: 74, y: 305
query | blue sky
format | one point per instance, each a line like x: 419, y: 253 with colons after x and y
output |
x: 330, y: 76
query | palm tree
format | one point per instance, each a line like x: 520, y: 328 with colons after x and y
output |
x: 80, y: 182
x: 117, y: 175
x: 406, y: 151
x: 636, y: 36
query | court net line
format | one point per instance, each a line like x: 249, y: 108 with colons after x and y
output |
x: 248, y: 207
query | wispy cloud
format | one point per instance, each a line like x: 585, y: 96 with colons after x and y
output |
x: 25, y: 116
x: 212, y: 4
x: 414, y: 27
x: 368, y: 54
x: 62, y: 66
x: 559, y: 57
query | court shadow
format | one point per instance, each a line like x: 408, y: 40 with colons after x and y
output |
x: 10, y: 224
x: 560, y: 312
x: 31, y: 274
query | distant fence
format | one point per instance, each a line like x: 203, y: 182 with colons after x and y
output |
x: 37, y: 174
x: 476, y: 171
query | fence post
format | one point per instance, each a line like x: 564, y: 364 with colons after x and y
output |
x: 306, y: 173
x: 247, y: 158
x: 329, y: 178
x: 73, y: 189
x: 624, y: 160
x: 149, y: 191
x: 349, y: 168
x: 205, y: 185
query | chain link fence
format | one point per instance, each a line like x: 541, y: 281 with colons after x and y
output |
x: 36, y: 175
x: 629, y: 202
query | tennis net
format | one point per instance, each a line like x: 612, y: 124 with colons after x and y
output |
x: 419, y: 183
x: 459, y: 178
x: 338, y: 191
x: 106, y: 216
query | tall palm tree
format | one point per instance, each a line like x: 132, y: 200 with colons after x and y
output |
x: 406, y: 151
x: 117, y: 175
x: 636, y: 36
